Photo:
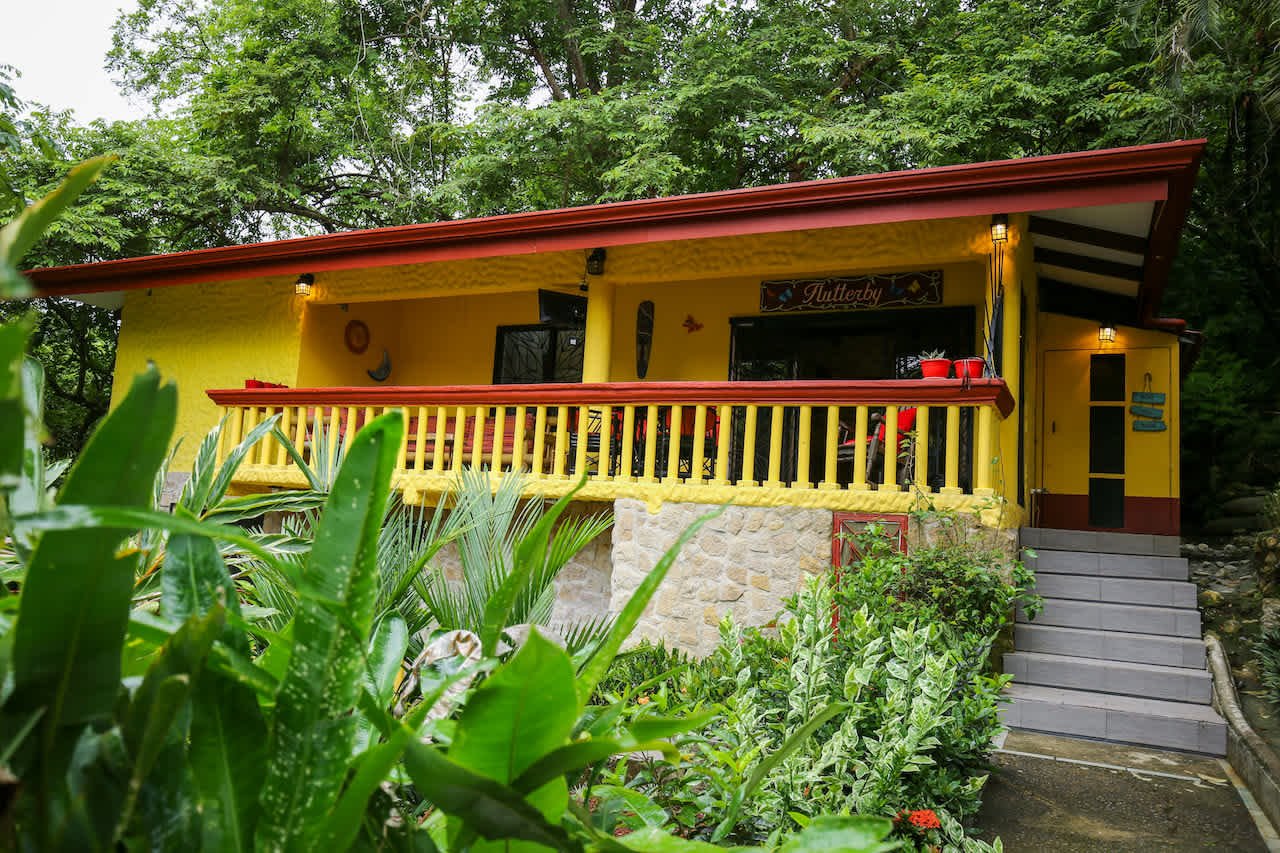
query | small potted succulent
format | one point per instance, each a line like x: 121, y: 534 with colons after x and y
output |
x: 934, y: 364
x: 970, y: 368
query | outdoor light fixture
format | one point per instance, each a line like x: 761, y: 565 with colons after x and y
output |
x: 302, y: 287
x: 595, y: 262
x: 1000, y: 228
x: 1106, y: 334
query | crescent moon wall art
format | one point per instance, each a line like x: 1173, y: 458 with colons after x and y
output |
x: 383, y: 370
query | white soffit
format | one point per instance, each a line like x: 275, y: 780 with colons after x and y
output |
x: 112, y: 300
x: 1132, y: 220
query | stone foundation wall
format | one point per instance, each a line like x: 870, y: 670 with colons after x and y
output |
x: 744, y: 562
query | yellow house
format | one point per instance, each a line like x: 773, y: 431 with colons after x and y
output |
x: 759, y: 346
x: 774, y: 327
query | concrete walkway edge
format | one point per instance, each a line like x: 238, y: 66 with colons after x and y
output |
x: 1247, y: 753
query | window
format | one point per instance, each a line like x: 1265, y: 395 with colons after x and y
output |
x: 534, y: 354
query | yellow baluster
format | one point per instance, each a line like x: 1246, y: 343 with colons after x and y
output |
x: 775, y: 447
x: 539, y: 440
x: 562, y: 439
x: 300, y: 434
x: 499, y: 438
x: 626, y: 468
x: 699, y: 444
x: 440, y: 433
x: 889, y: 453
x: 517, y: 442
x: 803, y: 442
x: 982, y: 454
x: 459, y: 437
x: 286, y: 426
x: 402, y: 457
x: 263, y: 451
x: 922, y: 449
x: 749, y: 448
x: 951, y: 477
x: 724, y: 426
x: 477, y: 438
x: 673, y: 447
x: 860, y: 450
x: 334, y: 434
x: 420, y: 440
x: 832, y: 450
x: 650, y: 444
x: 583, y: 436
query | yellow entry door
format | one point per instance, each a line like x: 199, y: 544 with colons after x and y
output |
x: 1065, y: 391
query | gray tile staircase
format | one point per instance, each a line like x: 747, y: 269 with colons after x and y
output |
x: 1116, y: 654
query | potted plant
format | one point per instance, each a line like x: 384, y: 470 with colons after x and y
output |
x: 970, y: 368
x: 935, y: 364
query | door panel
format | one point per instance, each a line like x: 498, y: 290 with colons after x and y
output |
x: 1065, y: 394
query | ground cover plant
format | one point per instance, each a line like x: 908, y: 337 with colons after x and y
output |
x: 885, y: 671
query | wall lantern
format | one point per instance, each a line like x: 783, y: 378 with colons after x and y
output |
x: 1106, y: 334
x: 595, y: 262
x: 1000, y: 228
x: 302, y: 287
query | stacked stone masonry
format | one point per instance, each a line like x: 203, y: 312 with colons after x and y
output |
x: 744, y: 563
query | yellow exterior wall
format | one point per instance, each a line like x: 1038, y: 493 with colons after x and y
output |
x: 680, y: 355
x: 209, y: 336
x: 438, y: 341
x: 1152, y: 465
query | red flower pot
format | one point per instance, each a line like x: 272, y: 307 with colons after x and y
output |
x: 970, y: 368
x: 935, y: 368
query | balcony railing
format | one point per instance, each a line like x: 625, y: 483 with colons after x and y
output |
x: 876, y: 445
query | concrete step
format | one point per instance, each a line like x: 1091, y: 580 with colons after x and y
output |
x: 1124, y: 719
x: 1108, y: 565
x: 1144, y: 680
x: 1116, y: 590
x: 1110, y: 645
x: 1106, y: 543
x: 1133, y: 618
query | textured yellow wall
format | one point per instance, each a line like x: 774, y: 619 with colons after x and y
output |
x: 431, y: 341
x: 680, y: 355
x: 873, y: 248
x: 209, y: 336
x: 1152, y: 466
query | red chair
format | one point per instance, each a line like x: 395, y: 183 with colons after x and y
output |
x: 876, y: 441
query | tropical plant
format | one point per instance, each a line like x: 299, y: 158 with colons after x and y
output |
x: 499, y: 539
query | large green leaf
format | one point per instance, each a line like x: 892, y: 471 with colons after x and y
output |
x: 844, y: 833
x: 598, y: 663
x: 372, y: 768
x: 314, y: 726
x: 194, y: 580
x: 386, y: 654
x: 522, y: 712
x: 491, y: 809
x: 13, y: 418
x: 75, y: 603
x: 18, y: 236
x: 579, y: 755
x: 227, y: 755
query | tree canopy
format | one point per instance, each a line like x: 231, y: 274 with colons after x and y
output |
x: 284, y: 117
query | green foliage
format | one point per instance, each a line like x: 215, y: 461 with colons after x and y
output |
x: 1267, y: 648
x: 895, y: 689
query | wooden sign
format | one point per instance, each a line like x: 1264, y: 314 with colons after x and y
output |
x: 852, y: 293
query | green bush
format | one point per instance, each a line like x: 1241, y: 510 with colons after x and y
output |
x: 892, y: 656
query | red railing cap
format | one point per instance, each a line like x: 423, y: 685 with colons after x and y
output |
x: 823, y: 392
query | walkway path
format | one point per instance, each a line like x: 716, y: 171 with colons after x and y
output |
x: 1056, y: 794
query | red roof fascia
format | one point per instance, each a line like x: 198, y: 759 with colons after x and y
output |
x: 1140, y: 173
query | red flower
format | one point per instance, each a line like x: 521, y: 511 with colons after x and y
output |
x: 925, y: 819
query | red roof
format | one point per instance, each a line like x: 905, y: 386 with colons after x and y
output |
x: 1163, y: 173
